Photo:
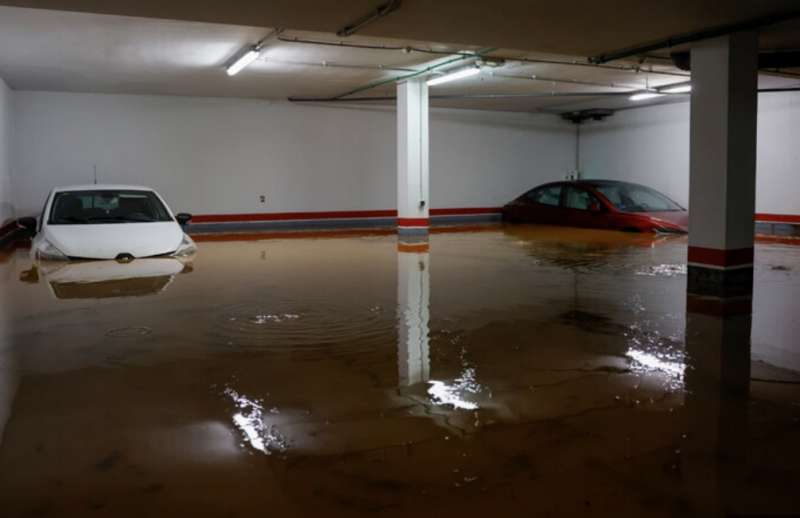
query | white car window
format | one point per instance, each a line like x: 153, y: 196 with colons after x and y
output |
x: 100, y: 207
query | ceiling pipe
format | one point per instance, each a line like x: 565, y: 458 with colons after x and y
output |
x: 691, y: 37
x: 377, y: 14
x: 498, y: 96
x: 565, y: 81
x: 332, y: 64
x: 461, y: 96
x: 409, y: 49
x: 426, y: 70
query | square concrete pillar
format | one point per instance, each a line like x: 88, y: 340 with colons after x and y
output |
x: 412, y: 157
x: 723, y: 165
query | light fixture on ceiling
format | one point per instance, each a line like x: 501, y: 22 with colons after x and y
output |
x: 458, y: 74
x: 643, y: 96
x: 245, y: 58
x: 679, y: 89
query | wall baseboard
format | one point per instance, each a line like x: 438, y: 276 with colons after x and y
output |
x: 332, y: 219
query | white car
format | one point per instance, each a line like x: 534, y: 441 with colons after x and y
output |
x: 107, y: 222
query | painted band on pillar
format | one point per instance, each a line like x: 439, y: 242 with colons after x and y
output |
x: 720, y: 273
x: 413, y: 222
x: 720, y: 259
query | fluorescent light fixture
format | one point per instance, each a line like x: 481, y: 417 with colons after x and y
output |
x: 244, y: 60
x: 641, y: 96
x: 458, y: 74
x: 680, y: 89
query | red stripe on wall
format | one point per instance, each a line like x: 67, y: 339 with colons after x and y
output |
x: 466, y: 211
x: 283, y: 216
x: 348, y: 214
x: 778, y: 218
x: 721, y: 258
x: 288, y: 234
x: 284, y: 234
x: 413, y: 222
x: 364, y: 214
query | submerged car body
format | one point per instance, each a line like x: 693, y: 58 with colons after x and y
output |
x: 108, y: 222
x: 603, y: 204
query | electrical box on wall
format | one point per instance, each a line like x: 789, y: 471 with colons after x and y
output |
x: 574, y: 175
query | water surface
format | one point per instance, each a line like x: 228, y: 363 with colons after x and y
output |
x: 525, y: 369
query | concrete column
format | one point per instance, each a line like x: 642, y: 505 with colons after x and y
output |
x: 723, y: 165
x: 413, y: 298
x: 412, y: 157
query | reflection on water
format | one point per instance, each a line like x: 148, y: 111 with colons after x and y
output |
x: 106, y: 279
x: 249, y: 418
x: 456, y: 394
x: 667, y: 270
x: 550, y: 370
x: 645, y: 362
x: 413, y: 312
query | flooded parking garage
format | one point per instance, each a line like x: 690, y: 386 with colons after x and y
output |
x: 295, y: 258
x: 482, y: 371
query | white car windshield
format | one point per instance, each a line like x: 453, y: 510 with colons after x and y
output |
x: 96, y: 207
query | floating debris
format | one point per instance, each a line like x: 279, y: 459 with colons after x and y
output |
x: 129, y: 332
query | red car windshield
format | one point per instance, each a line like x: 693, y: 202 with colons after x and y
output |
x: 629, y: 197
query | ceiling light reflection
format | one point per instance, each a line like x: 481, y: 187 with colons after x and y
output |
x: 649, y: 363
x: 452, y: 394
x: 250, y: 421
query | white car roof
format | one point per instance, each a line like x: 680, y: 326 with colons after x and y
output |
x: 102, y: 187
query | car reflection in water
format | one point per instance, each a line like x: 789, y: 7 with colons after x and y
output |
x: 107, y: 279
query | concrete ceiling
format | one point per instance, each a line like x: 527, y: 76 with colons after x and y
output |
x: 572, y: 27
x: 69, y: 51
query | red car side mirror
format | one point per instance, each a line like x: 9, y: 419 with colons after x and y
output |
x: 595, y: 207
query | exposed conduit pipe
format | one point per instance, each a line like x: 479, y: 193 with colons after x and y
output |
x: 566, y: 81
x: 328, y: 64
x: 691, y: 37
x: 378, y: 13
x: 408, y: 49
x: 461, y: 96
x: 501, y: 96
x: 431, y: 68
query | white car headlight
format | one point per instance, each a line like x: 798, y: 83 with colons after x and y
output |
x: 187, y: 247
x: 47, y: 251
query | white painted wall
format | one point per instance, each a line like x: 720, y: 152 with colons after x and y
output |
x: 6, y: 205
x: 650, y: 145
x: 215, y: 156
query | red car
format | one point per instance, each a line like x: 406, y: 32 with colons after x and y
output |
x: 604, y: 204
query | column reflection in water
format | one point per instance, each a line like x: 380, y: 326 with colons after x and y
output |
x: 413, y: 299
x: 718, y: 390
x: 9, y: 378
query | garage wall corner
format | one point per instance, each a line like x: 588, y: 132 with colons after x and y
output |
x: 650, y: 145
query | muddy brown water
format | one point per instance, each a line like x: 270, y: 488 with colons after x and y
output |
x: 508, y: 371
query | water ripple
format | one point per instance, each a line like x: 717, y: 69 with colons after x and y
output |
x: 291, y: 327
